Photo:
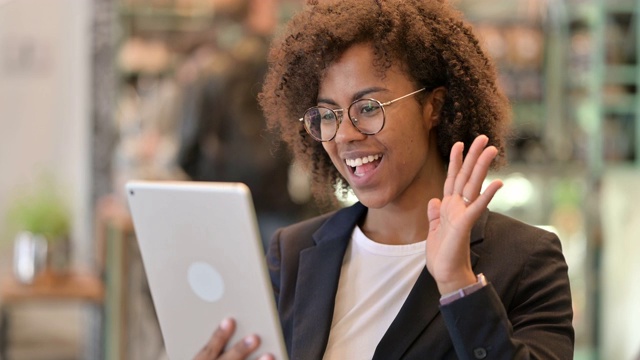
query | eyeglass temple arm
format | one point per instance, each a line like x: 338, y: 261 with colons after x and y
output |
x: 402, y: 97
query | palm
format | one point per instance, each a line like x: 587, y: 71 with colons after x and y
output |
x: 451, y: 219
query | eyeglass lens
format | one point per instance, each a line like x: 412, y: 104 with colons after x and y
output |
x: 366, y: 115
x: 321, y: 123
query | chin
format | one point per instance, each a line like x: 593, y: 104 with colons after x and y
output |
x: 372, y: 199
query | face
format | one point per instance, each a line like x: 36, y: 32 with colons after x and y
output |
x: 402, y: 159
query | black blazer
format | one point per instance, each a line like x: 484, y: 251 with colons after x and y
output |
x: 524, y: 313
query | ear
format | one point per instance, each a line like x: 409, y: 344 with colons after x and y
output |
x: 433, y: 105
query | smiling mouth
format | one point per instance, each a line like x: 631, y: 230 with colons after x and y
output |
x: 360, y: 166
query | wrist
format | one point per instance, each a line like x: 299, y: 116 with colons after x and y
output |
x: 461, y: 292
x: 455, y: 283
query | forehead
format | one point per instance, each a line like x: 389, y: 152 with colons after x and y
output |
x: 359, y: 67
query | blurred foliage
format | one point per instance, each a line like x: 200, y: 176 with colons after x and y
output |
x: 40, y: 210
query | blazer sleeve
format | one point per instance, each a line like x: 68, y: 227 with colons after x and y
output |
x: 535, y: 324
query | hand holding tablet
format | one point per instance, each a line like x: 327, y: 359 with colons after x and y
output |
x: 205, y: 263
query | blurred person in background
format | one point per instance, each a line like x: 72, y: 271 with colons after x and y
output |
x: 223, y: 135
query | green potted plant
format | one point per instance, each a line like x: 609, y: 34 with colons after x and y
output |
x: 43, y: 212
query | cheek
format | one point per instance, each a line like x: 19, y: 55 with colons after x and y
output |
x: 410, y: 149
x: 415, y: 129
x: 413, y: 143
x: 330, y: 149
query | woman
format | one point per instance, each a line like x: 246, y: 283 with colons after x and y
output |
x: 384, y: 98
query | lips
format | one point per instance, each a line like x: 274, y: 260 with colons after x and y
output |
x: 362, y: 165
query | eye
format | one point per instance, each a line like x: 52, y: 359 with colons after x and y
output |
x: 368, y: 108
x: 328, y: 116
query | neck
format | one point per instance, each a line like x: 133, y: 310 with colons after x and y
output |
x: 405, y: 221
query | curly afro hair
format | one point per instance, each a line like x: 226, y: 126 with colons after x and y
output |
x: 430, y: 38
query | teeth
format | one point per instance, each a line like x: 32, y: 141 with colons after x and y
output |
x: 362, y: 160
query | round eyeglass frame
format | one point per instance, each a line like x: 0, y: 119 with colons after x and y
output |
x: 339, y: 115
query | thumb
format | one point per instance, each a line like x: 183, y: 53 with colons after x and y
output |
x: 433, y: 210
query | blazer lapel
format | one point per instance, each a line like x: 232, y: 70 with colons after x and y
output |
x: 317, y: 283
x: 420, y: 308
x: 418, y: 311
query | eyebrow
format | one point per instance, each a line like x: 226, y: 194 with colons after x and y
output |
x: 358, y: 95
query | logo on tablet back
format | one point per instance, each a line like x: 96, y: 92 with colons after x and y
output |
x: 205, y: 281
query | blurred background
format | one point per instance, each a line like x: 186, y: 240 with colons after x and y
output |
x: 96, y: 92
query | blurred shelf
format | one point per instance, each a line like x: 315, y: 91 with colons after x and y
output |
x: 48, y: 285
x: 621, y: 7
x: 161, y: 13
x: 587, y: 13
x: 590, y: 12
x: 620, y: 104
x: 157, y: 19
x: 620, y: 74
x: 71, y: 286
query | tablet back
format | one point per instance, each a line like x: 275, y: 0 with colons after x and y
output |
x: 204, y: 262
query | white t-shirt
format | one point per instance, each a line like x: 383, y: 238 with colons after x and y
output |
x: 375, y: 281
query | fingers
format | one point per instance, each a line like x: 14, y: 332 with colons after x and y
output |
x: 455, y: 163
x: 472, y: 187
x: 468, y: 166
x: 243, y: 348
x: 433, y: 211
x: 465, y: 176
x: 482, y: 201
x: 216, y: 345
x: 218, y: 340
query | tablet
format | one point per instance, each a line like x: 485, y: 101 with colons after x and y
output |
x: 204, y: 261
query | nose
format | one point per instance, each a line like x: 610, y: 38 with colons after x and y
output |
x: 347, y: 132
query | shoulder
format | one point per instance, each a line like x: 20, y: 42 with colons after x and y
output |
x: 515, y: 236
x: 308, y: 225
x: 499, y: 223
x: 337, y: 224
x: 285, y: 247
x: 519, y: 258
x: 512, y: 250
x: 331, y: 228
x: 300, y: 233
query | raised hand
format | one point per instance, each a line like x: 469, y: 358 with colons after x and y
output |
x: 451, y: 219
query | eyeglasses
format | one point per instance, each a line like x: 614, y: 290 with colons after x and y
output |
x: 367, y: 115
